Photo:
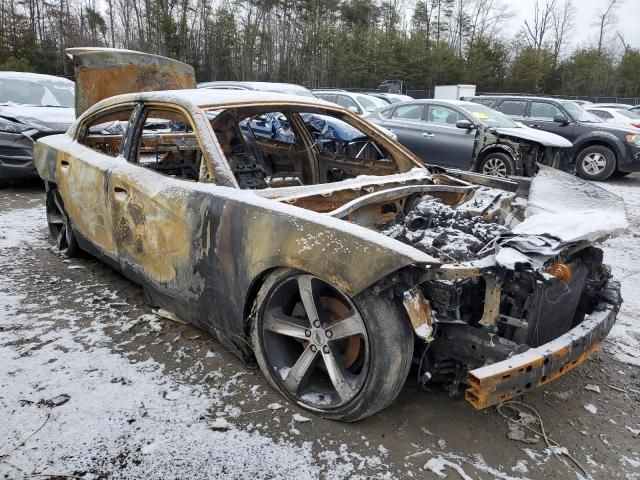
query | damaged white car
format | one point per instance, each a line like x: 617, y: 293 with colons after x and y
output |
x: 336, y: 264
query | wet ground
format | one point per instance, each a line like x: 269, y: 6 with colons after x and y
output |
x: 94, y: 385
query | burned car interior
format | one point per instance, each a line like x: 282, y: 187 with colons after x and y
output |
x: 301, y: 150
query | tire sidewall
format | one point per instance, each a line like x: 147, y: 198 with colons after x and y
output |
x: 505, y: 157
x: 72, y: 249
x: 390, y: 352
x: 608, y: 171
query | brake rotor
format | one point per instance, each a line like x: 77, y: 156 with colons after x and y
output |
x: 349, y: 347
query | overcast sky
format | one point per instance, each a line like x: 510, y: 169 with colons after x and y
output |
x: 586, y: 10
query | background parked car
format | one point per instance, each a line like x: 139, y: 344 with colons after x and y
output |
x: 359, y: 103
x: 391, y: 97
x: 288, y: 88
x: 466, y: 135
x: 601, y: 149
x: 31, y: 106
x: 275, y: 126
x: 616, y: 116
x: 625, y: 106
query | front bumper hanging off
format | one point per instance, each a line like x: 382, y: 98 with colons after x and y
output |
x: 492, y: 384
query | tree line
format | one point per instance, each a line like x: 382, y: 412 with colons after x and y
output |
x: 348, y: 43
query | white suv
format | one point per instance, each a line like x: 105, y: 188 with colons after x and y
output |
x: 359, y: 103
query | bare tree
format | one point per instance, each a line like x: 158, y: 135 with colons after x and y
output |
x: 563, y: 24
x: 606, y: 19
x: 536, y: 31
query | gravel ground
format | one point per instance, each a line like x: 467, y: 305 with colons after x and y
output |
x: 93, y: 384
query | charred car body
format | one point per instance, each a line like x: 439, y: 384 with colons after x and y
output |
x: 335, y: 266
x: 469, y: 136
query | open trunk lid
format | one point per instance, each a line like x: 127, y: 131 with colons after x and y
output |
x: 104, y: 72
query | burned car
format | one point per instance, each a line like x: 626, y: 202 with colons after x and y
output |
x: 334, y: 266
x: 471, y: 136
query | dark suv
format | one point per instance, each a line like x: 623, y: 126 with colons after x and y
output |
x: 601, y: 149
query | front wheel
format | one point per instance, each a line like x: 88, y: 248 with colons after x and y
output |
x: 342, y: 358
x: 497, y: 164
x: 596, y: 163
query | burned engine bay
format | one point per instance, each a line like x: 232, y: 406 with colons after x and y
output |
x: 443, y: 232
x: 512, y: 292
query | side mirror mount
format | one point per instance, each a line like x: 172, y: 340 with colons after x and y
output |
x: 465, y: 125
x: 354, y: 109
x: 561, y: 119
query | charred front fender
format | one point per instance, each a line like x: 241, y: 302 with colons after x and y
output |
x: 256, y: 235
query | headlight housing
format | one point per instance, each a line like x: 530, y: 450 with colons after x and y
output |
x: 13, y: 127
x: 634, y: 140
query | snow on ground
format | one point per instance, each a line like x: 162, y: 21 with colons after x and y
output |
x: 158, y: 428
x: 20, y: 226
x: 70, y: 404
x: 623, y: 255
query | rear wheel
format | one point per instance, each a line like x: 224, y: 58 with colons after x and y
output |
x: 596, y: 163
x: 340, y: 357
x: 498, y: 164
x: 59, y: 225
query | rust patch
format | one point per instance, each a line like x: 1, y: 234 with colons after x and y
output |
x: 492, y: 296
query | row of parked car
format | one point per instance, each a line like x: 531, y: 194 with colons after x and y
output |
x: 495, y: 135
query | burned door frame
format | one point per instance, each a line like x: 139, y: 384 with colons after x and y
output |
x: 135, y: 192
x: 83, y: 177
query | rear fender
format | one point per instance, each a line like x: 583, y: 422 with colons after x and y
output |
x: 45, y: 155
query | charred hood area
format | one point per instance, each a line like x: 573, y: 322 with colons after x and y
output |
x: 443, y: 232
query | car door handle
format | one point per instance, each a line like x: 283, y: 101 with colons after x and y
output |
x: 64, y: 163
x: 427, y: 134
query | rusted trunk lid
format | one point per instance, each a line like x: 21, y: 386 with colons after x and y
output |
x: 104, y: 72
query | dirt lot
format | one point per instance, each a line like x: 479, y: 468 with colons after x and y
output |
x: 94, y: 385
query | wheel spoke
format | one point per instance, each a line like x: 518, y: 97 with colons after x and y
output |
x: 278, y: 322
x: 307, y: 297
x: 62, y: 238
x: 347, y: 327
x: 300, y: 370
x: 58, y: 201
x: 337, y: 374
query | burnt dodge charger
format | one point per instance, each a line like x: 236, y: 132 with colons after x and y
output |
x: 335, y: 263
